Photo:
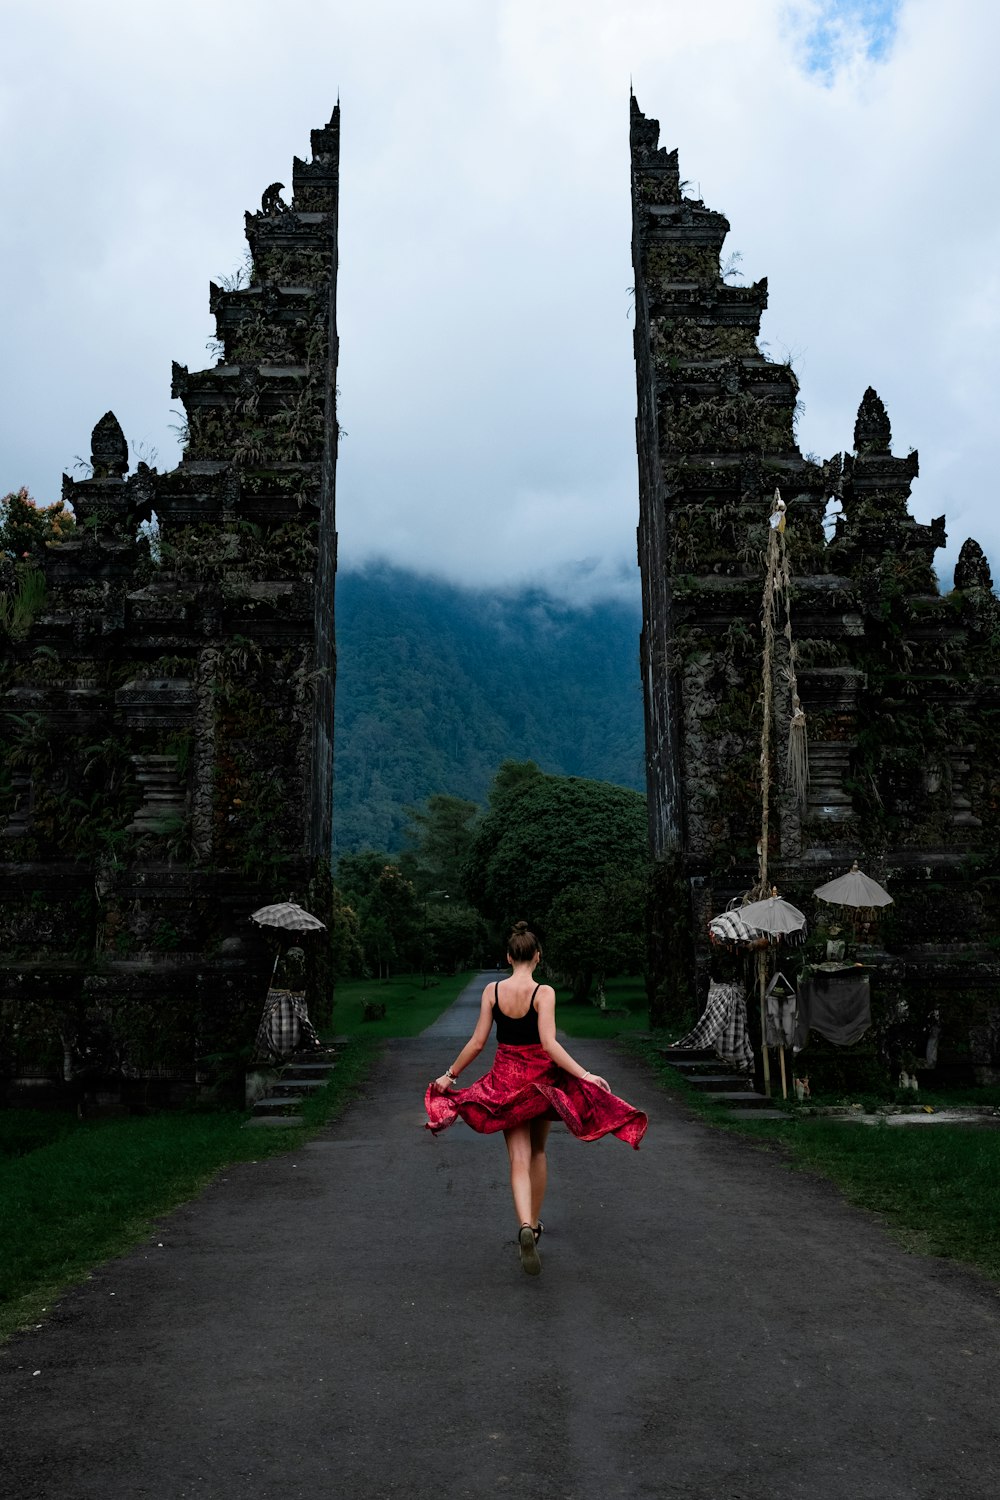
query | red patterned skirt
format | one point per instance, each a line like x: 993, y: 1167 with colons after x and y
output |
x: 525, y: 1084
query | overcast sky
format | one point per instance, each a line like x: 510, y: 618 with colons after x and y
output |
x: 486, y: 370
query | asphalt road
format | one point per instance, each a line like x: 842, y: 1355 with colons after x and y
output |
x: 351, y: 1321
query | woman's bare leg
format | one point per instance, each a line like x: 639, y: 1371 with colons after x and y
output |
x: 518, y: 1140
x: 539, y: 1167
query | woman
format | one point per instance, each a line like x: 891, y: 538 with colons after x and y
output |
x: 533, y: 1081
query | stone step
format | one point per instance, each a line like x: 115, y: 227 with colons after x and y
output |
x: 756, y: 1114
x: 308, y: 1070
x: 273, y: 1106
x: 741, y: 1097
x: 288, y: 1121
x: 719, y: 1082
x: 295, y: 1088
x: 692, y: 1069
x: 687, y: 1054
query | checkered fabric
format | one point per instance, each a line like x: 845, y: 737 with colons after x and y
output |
x: 729, y: 927
x: 723, y: 1025
x: 285, y: 1026
x: 287, y: 916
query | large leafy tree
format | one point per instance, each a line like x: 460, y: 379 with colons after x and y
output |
x: 440, y: 836
x: 387, y: 910
x: 597, y: 928
x: 544, y: 834
x: 26, y: 528
x: 512, y: 777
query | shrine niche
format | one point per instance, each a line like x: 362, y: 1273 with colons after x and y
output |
x: 900, y: 684
x: 168, y: 716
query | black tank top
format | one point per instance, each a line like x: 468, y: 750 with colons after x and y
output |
x: 516, y: 1031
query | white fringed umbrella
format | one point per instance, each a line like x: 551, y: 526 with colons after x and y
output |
x: 854, y: 889
x: 774, y: 915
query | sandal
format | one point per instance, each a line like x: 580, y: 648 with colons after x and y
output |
x: 538, y: 1231
x: 530, y: 1262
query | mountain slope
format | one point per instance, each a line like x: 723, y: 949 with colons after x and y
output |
x: 436, y: 685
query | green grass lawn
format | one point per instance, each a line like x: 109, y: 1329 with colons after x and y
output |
x: 936, y: 1186
x: 87, y: 1190
x: 410, y: 1001
x: 626, y: 994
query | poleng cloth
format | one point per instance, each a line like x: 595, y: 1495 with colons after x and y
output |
x: 723, y: 1025
x: 285, y: 1026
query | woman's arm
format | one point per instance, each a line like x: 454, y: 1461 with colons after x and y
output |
x: 473, y: 1046
x: 545, y: 1004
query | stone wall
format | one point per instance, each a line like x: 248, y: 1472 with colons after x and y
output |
x: 899, y: 682
x: 168, y: 716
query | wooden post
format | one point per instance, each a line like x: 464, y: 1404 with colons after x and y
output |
x: 762, y: 980
x: 784, y: 1080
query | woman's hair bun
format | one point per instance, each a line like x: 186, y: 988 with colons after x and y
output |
x: 522, y: 945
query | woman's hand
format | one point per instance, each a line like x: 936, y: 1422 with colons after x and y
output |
x: 602, y: 1083
x: 441, y: 1085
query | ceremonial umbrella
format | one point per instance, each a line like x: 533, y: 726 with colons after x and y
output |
x: 286, y: 916
x: 771, y: 917
x: 854, y: 889
x: 774, y: 916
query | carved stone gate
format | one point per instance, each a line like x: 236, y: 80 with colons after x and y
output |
x: 901, y: 685
x: 168, y: 717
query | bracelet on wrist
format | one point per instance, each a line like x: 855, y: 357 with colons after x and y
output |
x: 449, y: 1074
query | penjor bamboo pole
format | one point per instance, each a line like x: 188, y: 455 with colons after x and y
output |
x: 767, y: 665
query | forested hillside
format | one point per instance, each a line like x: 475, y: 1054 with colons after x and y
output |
x: 436, y: 685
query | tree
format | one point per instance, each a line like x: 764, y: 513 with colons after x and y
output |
x: 346, y: 953
x: 387, y: 910
x: 544, y: 834
x: 512, y: 777
x: 440, y: 837
x: 26, y: 527
x: 378, y: 944
x: 597, y: 928
x: 454, y: 935
x: 358, y: 874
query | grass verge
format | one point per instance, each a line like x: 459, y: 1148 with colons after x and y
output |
x: 92, y: 1189
x: 628, y: 1010
x: 410, y: 1001
x: 936, y: 1187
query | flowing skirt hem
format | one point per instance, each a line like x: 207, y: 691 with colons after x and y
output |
x: 524, y: 1084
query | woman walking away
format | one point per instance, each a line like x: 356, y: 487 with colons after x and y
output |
x: 533, y: 1081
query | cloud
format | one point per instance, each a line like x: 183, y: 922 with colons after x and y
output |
x: 486, y: 364
x: 834, y: 33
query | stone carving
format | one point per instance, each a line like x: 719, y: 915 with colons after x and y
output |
x: 972, y: 571
x: 271, y: 202
x: 108, y: 449
x: 872, y: 432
